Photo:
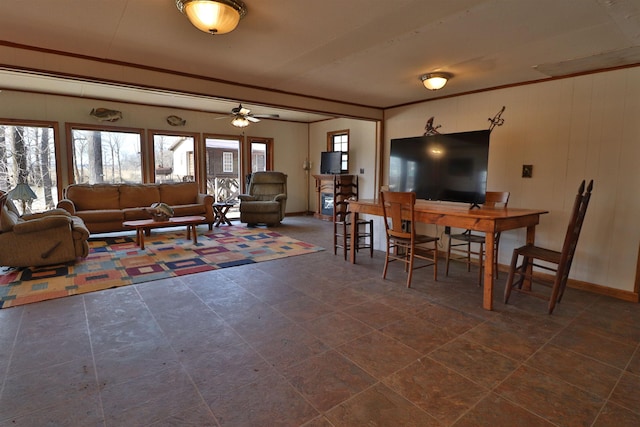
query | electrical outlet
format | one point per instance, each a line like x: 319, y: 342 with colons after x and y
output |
x: 447, y: 229
x: 527, y: 171
x: 361, y: 171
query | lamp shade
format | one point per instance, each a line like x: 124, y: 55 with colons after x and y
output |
x: 435, y: 81
x: 213, y: 17
x: 22, y: 192
x: 240, y: 122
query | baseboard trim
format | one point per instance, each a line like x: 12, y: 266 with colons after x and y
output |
x: 588, y: 287
x: 603, y: 290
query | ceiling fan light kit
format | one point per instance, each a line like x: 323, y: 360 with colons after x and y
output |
x: 213, y: 16
x: 435, y: 81
x: 242, y: 116
x: 240, y: 122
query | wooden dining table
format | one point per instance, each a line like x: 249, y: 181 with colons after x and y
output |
x: 486, y: 220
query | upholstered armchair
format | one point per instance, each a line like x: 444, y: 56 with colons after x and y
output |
x: 52, y: 237
x: 267, y: 199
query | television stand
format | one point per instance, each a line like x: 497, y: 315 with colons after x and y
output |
x: 475, y: 205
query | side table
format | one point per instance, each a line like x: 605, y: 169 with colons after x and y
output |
x: 220, y: 209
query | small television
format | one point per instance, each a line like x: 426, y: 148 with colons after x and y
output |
x: 447, y: 167
x: 331, y: 162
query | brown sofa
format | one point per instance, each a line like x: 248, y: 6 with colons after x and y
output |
x: 104, y: 207
x: 46, y: 238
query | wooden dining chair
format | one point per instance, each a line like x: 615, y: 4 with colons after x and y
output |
x: 464, y: 251
x: 403, y: 244
x: 343, y: 191
x: 558, y: 262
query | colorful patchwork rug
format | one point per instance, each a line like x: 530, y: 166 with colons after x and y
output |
x: 117, y: 261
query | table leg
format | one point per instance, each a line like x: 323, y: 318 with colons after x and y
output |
x: 224, y: 215
x: 221, y: 215
x: 141, y: 233
x: 487, y: 301
x: 195, y: 234
x: 531, y: 239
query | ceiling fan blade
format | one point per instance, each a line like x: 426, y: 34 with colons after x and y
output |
x: 252, y: 119
x: 267, y: 116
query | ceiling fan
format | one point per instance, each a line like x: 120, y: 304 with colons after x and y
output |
x: 242, y: 116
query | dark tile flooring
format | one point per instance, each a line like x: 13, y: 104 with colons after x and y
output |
x: 316, y: 341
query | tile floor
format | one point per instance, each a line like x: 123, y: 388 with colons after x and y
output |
x: 316, y: 341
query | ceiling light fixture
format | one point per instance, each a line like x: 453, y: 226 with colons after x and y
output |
x: 213, y: 17
x: 240, y: 122
x: 435, y: 81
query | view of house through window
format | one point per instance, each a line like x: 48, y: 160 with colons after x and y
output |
x: 227, y: 162
x: 261, y: 154
x: 339, y: 141
x: 258, y: 157
x: 28, y: 166
x: 223, y: 167
x: 174, y: 158
x: 107, y: 156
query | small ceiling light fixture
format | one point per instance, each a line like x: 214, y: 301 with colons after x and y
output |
x: 435, y: 81
x: 213, y: 16
x: 240, y: 122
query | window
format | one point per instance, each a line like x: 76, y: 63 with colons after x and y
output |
x: 222, y: 164
x: 339, y: 141
x: 173, y: 157
x: 227, y: 162
x: 105, y: 155
x: 28, y: 163
x: 261, y: 154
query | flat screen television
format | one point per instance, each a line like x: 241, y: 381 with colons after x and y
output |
x: 448, y: 167
x: 331, y: 162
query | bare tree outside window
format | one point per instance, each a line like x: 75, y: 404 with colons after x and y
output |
x: 27, y: 160
x: 106, y: 156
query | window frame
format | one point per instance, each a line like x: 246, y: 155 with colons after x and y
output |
x: 56, y: 146
x: 331, y: 145
x: 150, y: 152
x: 144, y: 149
x: 268, y: 142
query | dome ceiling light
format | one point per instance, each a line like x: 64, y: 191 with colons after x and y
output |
x: 435, y: 81
x: 213, y: 17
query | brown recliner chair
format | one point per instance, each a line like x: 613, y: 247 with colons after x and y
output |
x: 52, y: 237
x: 267, y: 199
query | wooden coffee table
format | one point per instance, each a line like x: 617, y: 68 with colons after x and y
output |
x: 143, y: 226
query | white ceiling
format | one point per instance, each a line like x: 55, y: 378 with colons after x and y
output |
x: 363, y: 52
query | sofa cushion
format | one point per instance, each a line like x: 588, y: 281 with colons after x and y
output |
x: 102, y: 215
x: 189, y: 210
x: 133, y: 214
x: 93, y: 196
x: 138, y: 195
x: 182, y: 193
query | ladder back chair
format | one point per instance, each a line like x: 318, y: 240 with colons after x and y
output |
x: 403, y: 244
x: 463, y: 250
x: 343, y: 191
x: 560, y: 260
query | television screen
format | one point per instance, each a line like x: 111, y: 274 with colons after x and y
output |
x: 449, y: 167
x: 331, y: 162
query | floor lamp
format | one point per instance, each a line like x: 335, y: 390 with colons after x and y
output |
x: 24, y: 194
